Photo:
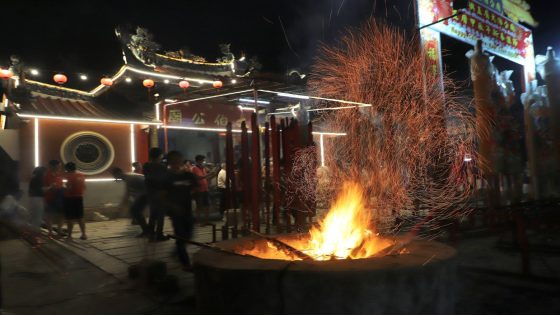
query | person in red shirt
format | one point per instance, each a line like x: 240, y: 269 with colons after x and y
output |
x: 54, y: 196
x: 201, y: 196
x: 74, y: 199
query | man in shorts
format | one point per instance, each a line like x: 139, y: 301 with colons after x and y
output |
x: 54, y: 197
x: 74, y: 199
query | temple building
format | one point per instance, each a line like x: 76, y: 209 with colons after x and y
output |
x: 172, y: 100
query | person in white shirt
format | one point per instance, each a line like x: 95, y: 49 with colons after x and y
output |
x: 221, y: 184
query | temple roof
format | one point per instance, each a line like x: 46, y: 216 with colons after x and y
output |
x: 47, y: 105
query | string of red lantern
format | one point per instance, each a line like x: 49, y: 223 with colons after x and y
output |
x: 61, y: 79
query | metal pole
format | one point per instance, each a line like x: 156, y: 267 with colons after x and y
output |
x: 275, y: 171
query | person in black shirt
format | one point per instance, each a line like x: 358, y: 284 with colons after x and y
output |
x: 155, y: 176
x: 179, y: 204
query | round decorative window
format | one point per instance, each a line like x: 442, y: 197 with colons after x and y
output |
x: 92, y: 152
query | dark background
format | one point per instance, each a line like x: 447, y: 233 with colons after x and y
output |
x: 78, y: 36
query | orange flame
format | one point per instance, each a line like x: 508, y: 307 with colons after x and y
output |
x: 345, y: 232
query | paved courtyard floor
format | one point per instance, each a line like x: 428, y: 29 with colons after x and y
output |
x: 90, y: 277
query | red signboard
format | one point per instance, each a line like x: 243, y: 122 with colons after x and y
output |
x: 501, y: 36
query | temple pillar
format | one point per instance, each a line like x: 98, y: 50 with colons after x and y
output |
x: 552, y: 79
x: 483, y: 84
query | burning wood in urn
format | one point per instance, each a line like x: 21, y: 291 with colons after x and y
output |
x: 346, y: 232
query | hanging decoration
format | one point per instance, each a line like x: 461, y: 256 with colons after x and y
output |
x: 107, y: 81
x: 60, y: 78
x: 184, y: 84
x: 6, y: 74
x: 217, y: 84
x: 149, y: 83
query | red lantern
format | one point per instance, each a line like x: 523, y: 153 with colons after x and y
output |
x: 107, y: 81
x: 6, y: 74
x: 217, y: 84
x: 60, y: 78
x: 149, y: 83
x: 184, y: 84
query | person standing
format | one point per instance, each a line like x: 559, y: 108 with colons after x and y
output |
x: 221, y: 184
x: 37, y: 197
x: 135, y: 196
x: 179, y: 204
x: 202, y: 198
x: 137, y: 168
x: 155, y: 175
x: 54, y: 196
x: 74, y: 199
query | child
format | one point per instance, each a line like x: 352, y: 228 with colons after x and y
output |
x: 74, y: 199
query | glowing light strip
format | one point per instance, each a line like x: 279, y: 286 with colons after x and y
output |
x: 305, y: 97
x: 100, y: 180
x: 115, y: 77
x: 327, y: 133
x: 132, y: 146
x: 156, y: 105
x: 106, y: 179
x: 322, y: 149
x: 252, y: 101
x: 202, y: 129
x: 302, y: 97
x: 110, y: 121
x: 336, y: 108
x: 340, y: 101
x: 167, y: 76
x: 208, y: 97
x: 247, y: 108
x: 36, y: 141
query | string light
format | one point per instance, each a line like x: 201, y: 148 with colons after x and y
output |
x: 34, y: 72
x: 83, y: 77
x: 249, y: 100
x: 128, y: 80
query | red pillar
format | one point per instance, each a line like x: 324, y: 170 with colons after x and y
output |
x: 230, y: 170
x: 255, y: 174
x: 267, y: 174
x: 245, y: 173
x: 276, y: 198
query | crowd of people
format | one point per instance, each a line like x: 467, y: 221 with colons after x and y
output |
x: 56, y: 195
x: 168, y: 189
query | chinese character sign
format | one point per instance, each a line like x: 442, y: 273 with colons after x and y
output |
x: 483, y: 20
x: 207, y: 115
x: 431, y: 42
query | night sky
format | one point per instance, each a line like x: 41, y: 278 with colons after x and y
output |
x: 78, y: 36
